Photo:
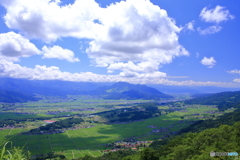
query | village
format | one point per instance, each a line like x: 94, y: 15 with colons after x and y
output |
x: 121, y: 145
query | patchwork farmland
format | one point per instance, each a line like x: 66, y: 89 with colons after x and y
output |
x: 92, y: 141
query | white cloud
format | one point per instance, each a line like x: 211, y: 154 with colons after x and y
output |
x: 13, y: 46
x: 215, y: 15
x: 190, y: 26
x: 139, y: 67
x: 54, y: 73
x: 234, y: 71
x: 210, y: 62
x: 135, y: 36
x: 236, y: 80
x: 46, y: 73
x: 209, y: 30
x: 58, y: 52
x: 154, y: 75
x: 46, y: 20
x: 133, y: 31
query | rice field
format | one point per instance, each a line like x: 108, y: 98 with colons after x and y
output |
x: 91, y: 141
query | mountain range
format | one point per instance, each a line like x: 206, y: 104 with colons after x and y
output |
x: 24, y: 90
x: 21, y: 90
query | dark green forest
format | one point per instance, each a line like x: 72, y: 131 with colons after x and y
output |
x: 65, y: 123
x: 138, y: 112
x: 223, y: 100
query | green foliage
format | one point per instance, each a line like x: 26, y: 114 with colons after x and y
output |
x: 198, y: 145
x: 13, y: 154
x: 66, y: 123
x: 140, y: 111
x: 223, y: 100
x: 227, y: 119
x: 149, y: 154
x: 50, y: 155
x: 118, y: 155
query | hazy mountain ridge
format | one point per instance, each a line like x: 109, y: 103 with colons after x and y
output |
x: 190, y: 89
x: 119, y: 90
x: 48, y: 87
x: 123, y: 90
x: 14, y: 96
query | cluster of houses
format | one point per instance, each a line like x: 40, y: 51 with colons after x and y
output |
x: 9, y: 127
x: 214, y: 112
x: 120, y: 145
x: 116, y: 149
x: 161, y: 129
x: 126, y: 122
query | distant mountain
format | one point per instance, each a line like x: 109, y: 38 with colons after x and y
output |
x: 16, y: 97
x: 190, y: 89
x: 120, y: 90
x: 123, y: 90
x: 48, y: 87
x: 201, y: 95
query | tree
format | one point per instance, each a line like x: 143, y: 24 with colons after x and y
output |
x: 149, y: 154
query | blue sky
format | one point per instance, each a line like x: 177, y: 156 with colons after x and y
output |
x: 170, y: 42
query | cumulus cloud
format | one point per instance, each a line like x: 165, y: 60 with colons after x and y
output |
x: 215, y: 15
x: 210, y: 62
x: 48, y: 21
x: 59, y: 53
x: 13, y: 46
x: 209, y: 30
x: 235, y: 71
x: 135, y: 36
x: 46, y: 73
x: 54, y: 73
x: 135, y: 32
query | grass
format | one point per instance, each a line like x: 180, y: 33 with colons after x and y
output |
x: 12, y: 153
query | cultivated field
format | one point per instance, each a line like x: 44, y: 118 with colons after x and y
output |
x: 91, y: 141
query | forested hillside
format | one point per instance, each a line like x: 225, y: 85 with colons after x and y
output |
x: 227, y: 119
x: 223, y: 100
